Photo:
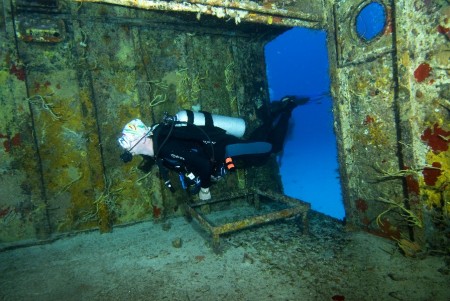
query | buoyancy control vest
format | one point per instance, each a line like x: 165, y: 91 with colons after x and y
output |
x: 206, y: 136
x: 219, y: 142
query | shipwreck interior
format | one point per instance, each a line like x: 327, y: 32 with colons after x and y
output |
x: 73, y: 72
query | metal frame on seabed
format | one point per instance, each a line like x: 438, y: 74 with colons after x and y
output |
x: 296, y: 209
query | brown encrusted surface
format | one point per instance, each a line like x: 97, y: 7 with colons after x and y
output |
x: 67, y: 100
x: 392, y: 121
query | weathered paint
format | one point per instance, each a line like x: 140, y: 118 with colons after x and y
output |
x: 67, y: 100
x: 392, y: 120
x: 76, y: 93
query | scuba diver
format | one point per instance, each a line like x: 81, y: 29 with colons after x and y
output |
x: 203, y: 147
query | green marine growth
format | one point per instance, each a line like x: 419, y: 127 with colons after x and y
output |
x: 407, y: 214
x: 188, y: 88
x: 230, y: 85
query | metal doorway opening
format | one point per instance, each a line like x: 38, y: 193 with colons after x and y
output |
x: 297, y: 64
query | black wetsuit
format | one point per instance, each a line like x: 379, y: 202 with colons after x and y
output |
x: 196, y: 149
x: 201, y: 150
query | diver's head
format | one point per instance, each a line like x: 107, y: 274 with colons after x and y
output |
x: 135, y: 140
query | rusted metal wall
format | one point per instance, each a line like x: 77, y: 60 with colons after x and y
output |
x: 392, y: 121
x: 65, y: 102
x: 423, y: 64
x: 72, y: 76
x: 22, y: 195
x: 366, y: 119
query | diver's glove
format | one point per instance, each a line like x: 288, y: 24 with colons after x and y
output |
x: 204, y: 194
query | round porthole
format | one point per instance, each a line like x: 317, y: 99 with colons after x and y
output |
x: 370, y: 21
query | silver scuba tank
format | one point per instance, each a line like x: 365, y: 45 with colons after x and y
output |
x: 232, y: 125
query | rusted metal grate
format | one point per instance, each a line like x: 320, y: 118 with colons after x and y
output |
x: 290, y: 207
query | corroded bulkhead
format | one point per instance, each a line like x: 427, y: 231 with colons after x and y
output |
x: 72, y: 73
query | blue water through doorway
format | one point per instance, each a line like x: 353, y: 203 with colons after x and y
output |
x: 297, y: 64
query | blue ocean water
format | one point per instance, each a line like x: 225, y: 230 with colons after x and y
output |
x: 297, y: 64
x: 371, y: 21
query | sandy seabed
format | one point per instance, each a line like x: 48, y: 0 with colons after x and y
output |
x: 269, y: 262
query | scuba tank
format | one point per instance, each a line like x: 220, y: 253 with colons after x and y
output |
x: 232, y: 125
